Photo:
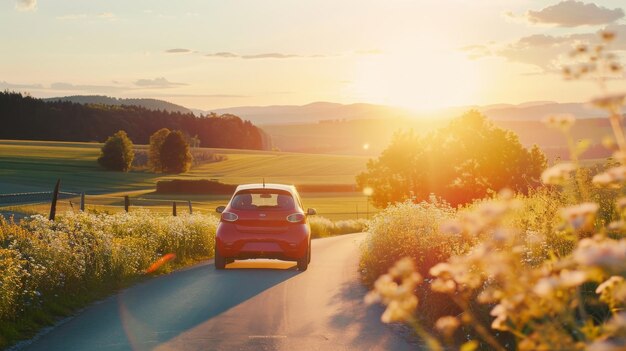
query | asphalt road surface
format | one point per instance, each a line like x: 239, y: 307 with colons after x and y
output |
x: 252, y: 305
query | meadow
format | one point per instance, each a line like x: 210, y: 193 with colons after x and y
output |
x: 27, y: 166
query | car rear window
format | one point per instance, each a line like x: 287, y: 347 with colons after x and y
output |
x: 263, y: 199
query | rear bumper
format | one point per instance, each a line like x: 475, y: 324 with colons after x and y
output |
x: 289, y: 245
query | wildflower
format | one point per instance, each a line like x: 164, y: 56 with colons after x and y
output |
x: 558, y: 173
x: 452, y: 227
x: 611, y: 177
x: 614, y: 280
x: 581, y: 216
x: 608, y: 143
x: 606, y: 254
x: 617, y: 225
x: 611, y: 103
x: 570, y: 279
x: 563, y: 122
x: 500, y: 312
x: 607, y: 35
x: 546, y: 286
x: 447, y: 325
x: 399, y: 297
x: 445, y: 286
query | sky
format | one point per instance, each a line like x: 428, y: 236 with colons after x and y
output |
x: 422, y: 54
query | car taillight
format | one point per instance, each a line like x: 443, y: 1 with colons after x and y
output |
x: 229, y: 217
x: 296, y: 218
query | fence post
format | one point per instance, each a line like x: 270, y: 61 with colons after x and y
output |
x: 82, y: 202
x: 55, y: 196
x: 126, y: 203
x: 174, y: 208
x: 190, y: 209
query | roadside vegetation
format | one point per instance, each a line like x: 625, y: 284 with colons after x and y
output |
x: 542, y: 269
x: 322, y: 227
x: 50, y: 268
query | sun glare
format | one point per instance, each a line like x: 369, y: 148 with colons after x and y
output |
x: 420, y: 81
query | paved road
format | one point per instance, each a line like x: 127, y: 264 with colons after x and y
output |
x: 252, y: 305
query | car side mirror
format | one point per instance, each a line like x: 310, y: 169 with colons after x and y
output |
x: 220, y: 209
x: 311, y: 212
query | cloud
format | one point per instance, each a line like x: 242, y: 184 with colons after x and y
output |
x: 6, y: 85
x: 26, y: 5
x: 222, y: 54
x: 545, y: 52
x: 275, y: 55
x: 178, y: 51
x: 106, y: 15
x: 76, y: 16
x: 159, y: 83
x: 84, y: 87
x: 573, y: 13
x: 269, y: 55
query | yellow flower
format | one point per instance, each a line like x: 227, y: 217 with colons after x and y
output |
x: 563, y: 122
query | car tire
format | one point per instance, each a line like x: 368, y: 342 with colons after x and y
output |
x: 303, y: 263
x: 220, y: 262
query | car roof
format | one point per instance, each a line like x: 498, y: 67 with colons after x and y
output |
x: 289, y: 188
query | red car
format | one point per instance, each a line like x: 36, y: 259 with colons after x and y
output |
x: 264, y: 221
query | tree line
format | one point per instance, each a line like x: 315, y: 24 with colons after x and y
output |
x: 27, y: 118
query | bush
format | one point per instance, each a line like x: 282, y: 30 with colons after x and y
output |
x: 117, y: 153
x: 194, y: 186
x: 46, y: 264
x: 175, y: 155
x: 408, y: 229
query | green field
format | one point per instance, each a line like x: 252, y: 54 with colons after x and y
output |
x: 27, y: 166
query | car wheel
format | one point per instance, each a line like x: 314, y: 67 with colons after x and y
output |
x: 220, y: 262
x: 309, y: 252
x: 303, y: 263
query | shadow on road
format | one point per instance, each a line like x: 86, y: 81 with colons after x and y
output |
x: 366, y: 320
x: 133, y: 319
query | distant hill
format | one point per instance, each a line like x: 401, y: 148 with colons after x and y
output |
x: 314, y: 112
x: 326, y: 111
x: 150, y: 104
x: 539, y: 110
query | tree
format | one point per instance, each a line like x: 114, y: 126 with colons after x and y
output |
x: 466, y: 160
x: 175, y: 155
x: 117, y: 153
x: 154, y: 154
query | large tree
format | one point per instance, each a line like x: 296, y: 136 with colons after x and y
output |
x: 156, y: 143
x: 466, y: 160
x: 117, y: 152
x: 175, y: 155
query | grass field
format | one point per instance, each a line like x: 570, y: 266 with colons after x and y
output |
x: 27, y: 166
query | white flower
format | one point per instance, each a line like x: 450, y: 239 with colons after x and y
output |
x: 558, y: 173
x: 580, y: 216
